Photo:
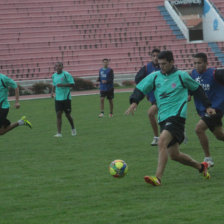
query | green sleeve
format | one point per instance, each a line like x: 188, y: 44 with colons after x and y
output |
x: 69, y: 78
x: 9, y: 82
x: 53, y: 80
x: 189, y: 83
x: 147, y: 84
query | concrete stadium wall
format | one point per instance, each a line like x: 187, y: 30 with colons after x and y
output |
x: 119, y: 78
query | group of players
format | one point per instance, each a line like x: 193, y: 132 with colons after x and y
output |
x: 167, y: 88
x: 62, y: 82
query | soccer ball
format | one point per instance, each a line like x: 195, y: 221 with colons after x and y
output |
x: 118, y: 168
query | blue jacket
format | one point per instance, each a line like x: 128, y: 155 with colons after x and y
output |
x: 108, y: 75
x: 213, y: 89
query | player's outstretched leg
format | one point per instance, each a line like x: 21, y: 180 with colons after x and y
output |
x: 24, y: 121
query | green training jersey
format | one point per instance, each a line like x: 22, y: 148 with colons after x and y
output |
x: 62, y: 93
x: 5, y: 82
x: 171, y: 92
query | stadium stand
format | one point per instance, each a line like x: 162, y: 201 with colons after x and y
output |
x: 219, y: 6
x: 36, y: 34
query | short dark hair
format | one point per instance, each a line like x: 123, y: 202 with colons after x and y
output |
x: 168, y: 55
x: 203, y: 56
x: 105, y: 59
x: 59, y: 63
x: 155, y: 50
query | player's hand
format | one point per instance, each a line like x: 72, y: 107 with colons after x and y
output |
x: 52, y: 95
x: 210, y: 111
x: 60, y: 85
x: 17, y: 105
x: 104, y: 81
x: 132, y: 108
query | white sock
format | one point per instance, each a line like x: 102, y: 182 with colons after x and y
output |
x: 20, y: 122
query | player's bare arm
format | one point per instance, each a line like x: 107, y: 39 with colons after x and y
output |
x: 17, y: 104
x: 132, y: 108
x: 135, y: 98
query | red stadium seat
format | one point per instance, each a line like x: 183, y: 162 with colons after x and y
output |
x: 36, y: 34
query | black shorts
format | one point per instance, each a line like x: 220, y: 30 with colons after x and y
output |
x: 109, y: 94
x: 213, y: 121
x: 4, y: 122
x: 63, y: 105
x: 175, y: 125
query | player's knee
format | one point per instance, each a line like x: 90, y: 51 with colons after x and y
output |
x: 162, y: 145
x: 174, y: 156
x: 151, y: 114
x: 59, y: 115
x: 2, y: 132
x: 198, y: 130
x: 220, y: 137
x: 68, y: 115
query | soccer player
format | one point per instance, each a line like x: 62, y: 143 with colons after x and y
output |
x: 171, y: 92
x: 106, y: 80
x: 212, y: 81
x: 153, y: 110
x: 62, y: 82
x: 5, y: 124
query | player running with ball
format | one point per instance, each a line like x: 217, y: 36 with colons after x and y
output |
x: 171, y: 92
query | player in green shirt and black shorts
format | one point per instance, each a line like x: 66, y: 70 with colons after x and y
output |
x: 5, y: 124
x: 170, y: 87
x: 62, y: 82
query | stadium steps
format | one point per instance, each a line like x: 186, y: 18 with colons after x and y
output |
x: 54, y: 36
x: 79, y: 10
x: 78, y: 5
x: 134, y: 46
x: 41, y: 56
x: 219, y: 6
x: 77, y: 19
x: 217, y: 51
x: 89, y: 24
x: 173, y: 26
x: 69, y: 40
x: 135, y: 59
x: 34, y: 35
x: 71, y: 15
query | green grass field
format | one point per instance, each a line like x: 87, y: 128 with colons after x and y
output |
x: 47, y: 180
